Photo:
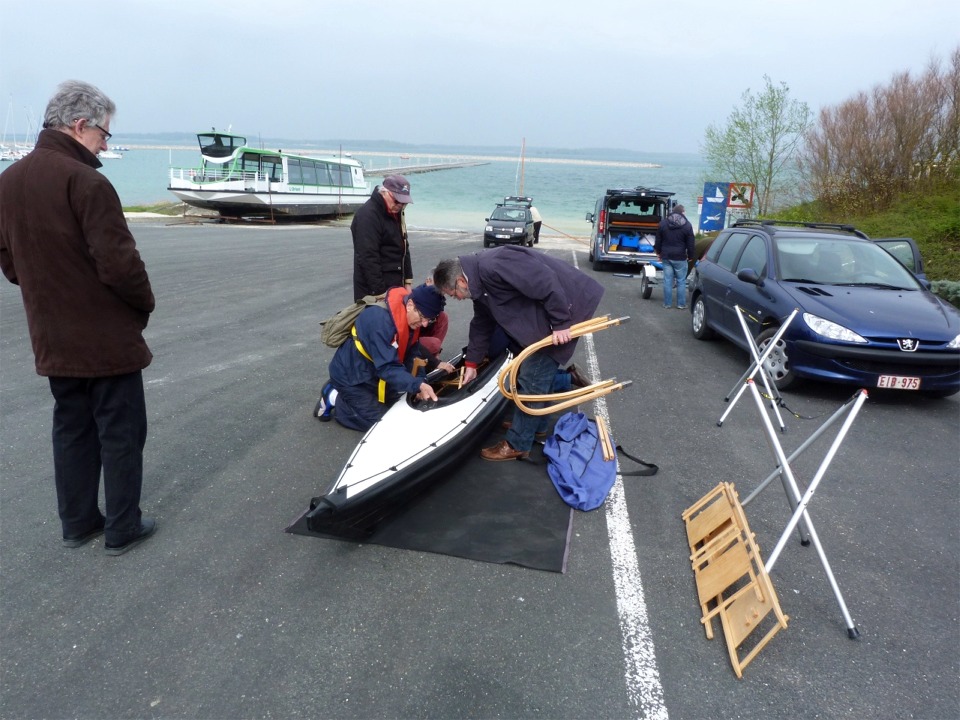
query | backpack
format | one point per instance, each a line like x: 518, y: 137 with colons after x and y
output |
x: 335, y: 330
x: 576, y: 466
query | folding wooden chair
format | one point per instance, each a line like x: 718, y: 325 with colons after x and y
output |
x: 732, y: 582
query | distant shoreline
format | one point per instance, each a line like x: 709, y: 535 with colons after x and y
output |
x: 444, y: 156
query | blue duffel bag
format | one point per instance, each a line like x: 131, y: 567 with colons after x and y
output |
x: 575, y: 462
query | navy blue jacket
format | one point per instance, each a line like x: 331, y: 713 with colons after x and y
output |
x: 529, y: 294
x: 675, y: 238
x: 378, y: 335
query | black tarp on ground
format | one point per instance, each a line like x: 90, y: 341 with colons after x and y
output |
x: 498, y: 512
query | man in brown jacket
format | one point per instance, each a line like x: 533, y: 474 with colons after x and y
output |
x: 65, y: 242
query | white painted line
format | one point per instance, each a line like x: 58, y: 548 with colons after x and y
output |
x: 644, y: 690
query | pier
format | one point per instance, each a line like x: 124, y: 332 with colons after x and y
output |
x: 413, y: 169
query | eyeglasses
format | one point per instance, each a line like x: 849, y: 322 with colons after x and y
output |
x: 430, y: 321
x: 106, y: 135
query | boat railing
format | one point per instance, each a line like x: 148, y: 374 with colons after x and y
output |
x: 212, y: 175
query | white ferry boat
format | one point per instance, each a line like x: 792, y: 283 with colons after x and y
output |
x: 237, y: 180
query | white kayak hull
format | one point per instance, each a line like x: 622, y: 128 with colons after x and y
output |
x: 413, y: 446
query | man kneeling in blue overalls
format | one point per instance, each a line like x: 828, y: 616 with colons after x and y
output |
x: 374, y: 367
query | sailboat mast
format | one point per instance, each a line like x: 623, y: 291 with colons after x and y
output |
x: 523, y: 147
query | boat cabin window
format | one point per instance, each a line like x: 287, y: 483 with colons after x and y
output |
x: 250, y: 163
x: 218, y: 145
x: 294, y: 177
x: 268, y: 165
x: 307, y: 172
x: 272, y: 167
x: 323, y: 174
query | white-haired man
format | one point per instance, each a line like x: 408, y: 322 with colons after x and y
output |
x: 65, y: 242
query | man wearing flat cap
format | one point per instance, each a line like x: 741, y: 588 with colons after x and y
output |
x: 375, y: 366
x: 381, y: 255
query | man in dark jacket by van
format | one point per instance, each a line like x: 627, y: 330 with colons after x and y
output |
x: 674, y: 247
x: 65, y: 242
x: 530, y: 295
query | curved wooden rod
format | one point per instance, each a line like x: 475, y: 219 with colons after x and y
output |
x: 507, y: 380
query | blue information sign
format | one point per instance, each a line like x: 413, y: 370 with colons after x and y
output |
x: 714, y: 210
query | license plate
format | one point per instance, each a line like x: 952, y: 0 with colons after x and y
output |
x: 502, y: 237
x: 898, y: 382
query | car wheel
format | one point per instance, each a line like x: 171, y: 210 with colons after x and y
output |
x: 777, y: 364
x: 646, y: 288
x: 698, y: 321
x: 486, y: 243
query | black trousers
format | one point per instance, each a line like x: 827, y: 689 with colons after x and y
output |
x: 99, y: 424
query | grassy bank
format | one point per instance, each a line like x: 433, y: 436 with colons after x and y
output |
x: 167, y: 208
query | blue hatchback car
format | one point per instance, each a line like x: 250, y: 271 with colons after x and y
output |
x: 863, y: 318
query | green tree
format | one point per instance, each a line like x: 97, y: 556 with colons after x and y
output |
x: 759, y: 142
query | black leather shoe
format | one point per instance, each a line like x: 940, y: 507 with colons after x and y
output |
x: 75, y: 541
x: 577, y: 378
x: 147, y: 528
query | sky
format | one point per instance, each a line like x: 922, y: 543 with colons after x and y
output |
x: 631, y: 74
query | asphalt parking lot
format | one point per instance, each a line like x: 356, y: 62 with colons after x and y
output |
x: 223, y: 615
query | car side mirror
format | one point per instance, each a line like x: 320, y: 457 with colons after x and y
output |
x: 749, y: 275
x: 589, y: 217
x: 486, y: 219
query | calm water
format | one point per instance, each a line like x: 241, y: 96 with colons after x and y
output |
x: 564, y: 189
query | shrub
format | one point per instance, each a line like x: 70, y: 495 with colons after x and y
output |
x: 948, y: 290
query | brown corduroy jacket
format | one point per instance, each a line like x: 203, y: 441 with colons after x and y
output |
x: 65, y: 242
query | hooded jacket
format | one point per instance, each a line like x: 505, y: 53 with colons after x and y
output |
x: 529, y: 294
x: 381, y: 257
x: 65, y: 242
x: 675, y: 239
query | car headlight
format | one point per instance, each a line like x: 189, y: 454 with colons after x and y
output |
x: 955, y: 343
x: 831, y: 330
x: 518, y: 229
x: 489, y: 228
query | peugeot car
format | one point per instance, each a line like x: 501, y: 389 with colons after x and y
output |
x: 863, y: 318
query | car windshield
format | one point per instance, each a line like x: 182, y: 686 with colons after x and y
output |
x: 841, y: 262
x: 509, y: 214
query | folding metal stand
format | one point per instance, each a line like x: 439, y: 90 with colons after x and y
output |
x: 800, y: 502
x: 757, y: 366
x: 800, y: 517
